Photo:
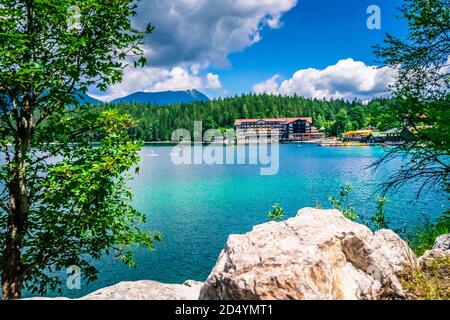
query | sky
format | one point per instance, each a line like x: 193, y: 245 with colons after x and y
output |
x: 313, y: 48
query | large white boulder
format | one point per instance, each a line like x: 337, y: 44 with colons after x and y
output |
x: 319, y: 254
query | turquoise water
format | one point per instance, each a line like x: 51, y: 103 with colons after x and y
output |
x: 196, y: 207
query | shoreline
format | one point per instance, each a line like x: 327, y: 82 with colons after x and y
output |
x: 333, y: 143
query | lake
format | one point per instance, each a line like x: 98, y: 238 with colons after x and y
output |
x: 196, y: 207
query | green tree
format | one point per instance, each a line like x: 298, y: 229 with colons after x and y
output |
x: 63, y: 201
x: 223, y: 113
x: 358, y: 116
x: 341, y: 124
x: 245, y: 114
x: 422, y: 99
x: 209, y: 123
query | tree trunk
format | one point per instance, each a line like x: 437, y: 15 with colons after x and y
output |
x: 13, y: 272
x: 13, y: 269
x: 12, y: 277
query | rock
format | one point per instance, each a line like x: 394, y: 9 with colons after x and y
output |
x: 46, y: 298
x: 319, y: 254
x: 440, y: 250
x: 426, y: 261
x: 442, y: 242
x: 193, y: 284
x: 142, y: 290
x: 147, y: 290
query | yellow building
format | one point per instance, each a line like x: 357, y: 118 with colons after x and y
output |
x: 358, y: 135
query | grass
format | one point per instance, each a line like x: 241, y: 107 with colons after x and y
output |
x: 430, y: 283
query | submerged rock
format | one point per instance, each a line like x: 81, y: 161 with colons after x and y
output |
x: 319, y: 254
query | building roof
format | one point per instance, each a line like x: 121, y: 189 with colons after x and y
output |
x: 393, y: 131
x: 282, y: 120
x: 362, y: 133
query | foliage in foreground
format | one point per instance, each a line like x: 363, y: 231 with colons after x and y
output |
x: 342, y: 202
x: 277, y: 214
x: 421, y: 94
x: 64, y: 201
x: 81, y: 207
x: 379, y: 220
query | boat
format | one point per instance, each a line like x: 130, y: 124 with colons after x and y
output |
x: 345, y: 144
x: 152, y: 154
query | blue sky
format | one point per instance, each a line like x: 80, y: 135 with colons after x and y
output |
x: 230, y: 47
x: 315, y: 34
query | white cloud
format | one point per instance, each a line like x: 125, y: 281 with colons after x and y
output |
x: 268, y: 86
x: 191, y: 35
x: 151, y: 79
x: 206, y: 31
x: 195, y: 68
x: 213, y: 81
x: 348, y: 79
x: 275, y: 21
x: 177, y: 79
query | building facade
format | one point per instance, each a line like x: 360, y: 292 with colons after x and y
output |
x: 364, y: 136
x: 395, y: 135
x: 282, y: 129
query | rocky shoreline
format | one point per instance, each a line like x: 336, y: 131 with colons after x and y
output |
x: 317, y: 255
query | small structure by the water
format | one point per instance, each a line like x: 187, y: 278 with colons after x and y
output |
x: 364, y: 136
x: 281, y: 129
x: 394, y: 135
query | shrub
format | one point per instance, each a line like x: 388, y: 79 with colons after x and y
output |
x: 277, y: 214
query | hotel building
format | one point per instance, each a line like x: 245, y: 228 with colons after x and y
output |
x: 282, y: 129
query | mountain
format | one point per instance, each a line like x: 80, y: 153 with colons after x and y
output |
x: 84, y: 98
x: 164, y: 98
